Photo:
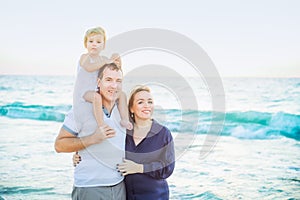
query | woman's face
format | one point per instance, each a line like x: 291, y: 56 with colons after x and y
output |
x: 142, y: 106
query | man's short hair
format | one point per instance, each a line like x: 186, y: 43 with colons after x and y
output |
x: 111, y: 66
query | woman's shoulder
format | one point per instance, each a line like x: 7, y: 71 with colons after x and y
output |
x: 161, y: 129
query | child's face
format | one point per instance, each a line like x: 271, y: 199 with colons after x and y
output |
x: 95, y: 43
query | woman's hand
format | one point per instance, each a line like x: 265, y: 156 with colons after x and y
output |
x: 76, y: 159
x: 130, y: 167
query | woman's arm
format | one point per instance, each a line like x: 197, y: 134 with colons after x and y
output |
x: 164, y: 167
x: 161, y: 168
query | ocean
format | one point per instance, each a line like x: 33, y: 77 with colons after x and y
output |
x: 255, y: 156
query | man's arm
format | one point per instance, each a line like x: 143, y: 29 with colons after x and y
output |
x: 67, y: 142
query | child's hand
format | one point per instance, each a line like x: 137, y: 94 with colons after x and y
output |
x: 126, y: 124
x: 115, y: 58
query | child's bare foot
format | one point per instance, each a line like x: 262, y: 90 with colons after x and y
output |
x: 126, y: 124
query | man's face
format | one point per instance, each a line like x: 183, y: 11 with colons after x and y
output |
x: 110, y: 85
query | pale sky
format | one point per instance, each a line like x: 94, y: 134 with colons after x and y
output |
x: 243, y: 38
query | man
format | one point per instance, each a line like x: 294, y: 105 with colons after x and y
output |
x: 101, y: 149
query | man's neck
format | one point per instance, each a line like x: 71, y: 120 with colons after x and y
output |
x: 108, y: 105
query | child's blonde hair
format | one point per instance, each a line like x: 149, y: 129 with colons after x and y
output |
x: 94, y: 31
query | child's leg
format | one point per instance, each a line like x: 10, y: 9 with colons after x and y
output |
x: 123, y: 109
x: 95, y: 98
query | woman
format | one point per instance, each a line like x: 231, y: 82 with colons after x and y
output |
x: 149, y: 151
x: 149, y: 148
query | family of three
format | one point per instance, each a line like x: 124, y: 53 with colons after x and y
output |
x: 122, y: 153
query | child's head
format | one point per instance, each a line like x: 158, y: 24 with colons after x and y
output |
x: 92, y: 32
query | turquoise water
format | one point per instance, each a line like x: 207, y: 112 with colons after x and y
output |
x: 255, y: 157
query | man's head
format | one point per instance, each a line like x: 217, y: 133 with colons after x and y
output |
x: 110, y: 79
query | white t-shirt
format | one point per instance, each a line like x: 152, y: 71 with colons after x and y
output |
x: 98, y: 162
x: 98, y: 165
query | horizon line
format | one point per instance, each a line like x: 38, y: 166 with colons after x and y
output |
x: 226, y: 76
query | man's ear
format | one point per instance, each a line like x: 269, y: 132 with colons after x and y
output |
x: 98, y: 82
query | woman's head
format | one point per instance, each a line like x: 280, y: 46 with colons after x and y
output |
x: 140, y: 104
x: 92, y: 32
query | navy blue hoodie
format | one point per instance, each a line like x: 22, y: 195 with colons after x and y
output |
x: 156, y: 153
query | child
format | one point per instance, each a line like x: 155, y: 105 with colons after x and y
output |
x: 86, y: 81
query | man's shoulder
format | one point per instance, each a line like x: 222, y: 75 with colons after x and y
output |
x: 69, y: 123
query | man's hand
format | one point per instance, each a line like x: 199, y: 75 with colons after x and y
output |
x: 102, y: 133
